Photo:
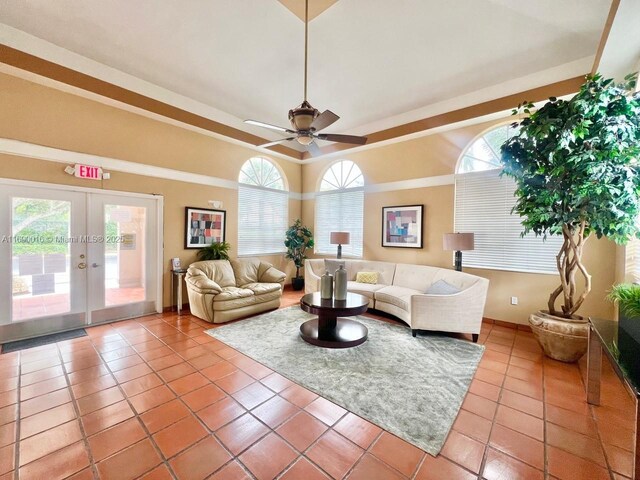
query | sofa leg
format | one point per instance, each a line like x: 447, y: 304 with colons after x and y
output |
x: 475, y: 337
x: 414, y: 332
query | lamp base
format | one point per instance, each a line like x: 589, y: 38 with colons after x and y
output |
x: 339, y: 251
x: 458, y: 262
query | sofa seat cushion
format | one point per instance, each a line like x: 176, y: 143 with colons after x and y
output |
x: 234, y: 304
x: 260, y: 288
x: 398, y: 296
x: 366, y: 289
x: 232, y: 293
x: 267, y: 297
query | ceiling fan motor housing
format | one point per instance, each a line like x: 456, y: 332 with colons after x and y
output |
x: 303, y: 116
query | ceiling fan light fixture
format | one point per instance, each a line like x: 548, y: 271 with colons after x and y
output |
x: 304, y: 139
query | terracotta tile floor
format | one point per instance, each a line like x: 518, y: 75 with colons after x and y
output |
x: 156, y: 398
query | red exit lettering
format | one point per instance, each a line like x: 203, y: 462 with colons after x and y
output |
x: 87, y: 171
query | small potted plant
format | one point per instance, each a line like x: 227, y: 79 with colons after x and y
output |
x: 627, y: 297
x: 214, y: 251
x: 297, y: 239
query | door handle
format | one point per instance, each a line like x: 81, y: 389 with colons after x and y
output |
x: 82, y: 266
x: 95, y: 265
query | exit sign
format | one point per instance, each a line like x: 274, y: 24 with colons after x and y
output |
x: 87, y: 171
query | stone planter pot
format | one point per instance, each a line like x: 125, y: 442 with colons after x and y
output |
x: 562, y: 339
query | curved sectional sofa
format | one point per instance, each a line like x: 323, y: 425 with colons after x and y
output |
x: 424, y: 297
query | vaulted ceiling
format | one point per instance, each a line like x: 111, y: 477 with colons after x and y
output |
x: 376, y: 63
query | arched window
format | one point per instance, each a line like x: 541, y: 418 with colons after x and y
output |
x: 483, y: 204
x: 340, y: 208
x: 263, y: 208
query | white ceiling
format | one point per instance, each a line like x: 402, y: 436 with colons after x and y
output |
x: 376, y: 63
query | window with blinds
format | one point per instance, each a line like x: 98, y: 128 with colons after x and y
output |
x: 263, y: 209
x: 632, y: 261
x: 483, y: 206
x: 483, y: 203
x: 339, y: 207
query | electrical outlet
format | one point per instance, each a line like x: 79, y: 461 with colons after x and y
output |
x: 514, y: 300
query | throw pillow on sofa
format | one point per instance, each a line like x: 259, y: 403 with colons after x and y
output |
x: 442, y: 288
x: 367, y: 277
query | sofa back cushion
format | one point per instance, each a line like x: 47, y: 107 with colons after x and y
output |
x: 417, y: 277
x: 219, y: 271
x: 332, y: 265
x: 385, y: 270
x: 246, y: 270
x: 460, y: 280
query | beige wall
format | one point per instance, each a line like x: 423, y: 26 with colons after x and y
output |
x: 44, y: 116
x: 437, y: 155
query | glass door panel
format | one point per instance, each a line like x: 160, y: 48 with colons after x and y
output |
x: 123, y: 263
x: 43, y: 261
x: 125, y: 254
x: 40, y: 257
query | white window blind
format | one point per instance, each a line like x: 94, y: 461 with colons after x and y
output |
x: 483, y: 206
x: 263, y: 215
x: 339, y: 211
x: 632, y: 261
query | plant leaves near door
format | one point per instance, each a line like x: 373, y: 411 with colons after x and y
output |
x: 215, y: 251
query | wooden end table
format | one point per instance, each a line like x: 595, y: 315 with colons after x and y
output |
x: 328, y: 329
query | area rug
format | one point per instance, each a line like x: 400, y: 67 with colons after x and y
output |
x: 411, y: 387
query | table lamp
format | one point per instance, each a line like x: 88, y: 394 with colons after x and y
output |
x: 339, y: 238
x: 458, y: 242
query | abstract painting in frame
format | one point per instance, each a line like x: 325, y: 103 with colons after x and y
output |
x: 203, y: 227
x: 402, y: 226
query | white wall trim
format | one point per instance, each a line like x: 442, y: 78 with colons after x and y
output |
x: 424, y: 182
x: 49, y: 154
x: 31, y: 150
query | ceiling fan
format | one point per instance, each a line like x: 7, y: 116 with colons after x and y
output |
x: 307, y: 121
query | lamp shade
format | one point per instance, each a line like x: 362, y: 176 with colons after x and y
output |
x: 458, y: 241
x: 340, y: 238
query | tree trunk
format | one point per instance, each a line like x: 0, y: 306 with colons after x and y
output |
x: 569, y: 263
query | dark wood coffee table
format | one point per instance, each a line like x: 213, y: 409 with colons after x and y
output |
x: 328, y: 330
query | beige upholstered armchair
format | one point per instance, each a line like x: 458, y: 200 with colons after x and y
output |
x: 223, y: 290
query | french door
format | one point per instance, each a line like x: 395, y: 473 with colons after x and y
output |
x: 72, y: 258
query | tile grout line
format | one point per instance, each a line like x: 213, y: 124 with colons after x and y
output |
x: 16, y: 454
x: 76, y: 409
x: 103, y: 362
x: 483, y: 462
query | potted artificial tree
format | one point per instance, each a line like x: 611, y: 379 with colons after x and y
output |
x: 297, y: 239
x: 576, y: 172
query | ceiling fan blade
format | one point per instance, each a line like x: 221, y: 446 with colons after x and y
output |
x: 314, y: 149
x: 325, y: 119
x: 268, y: 125
x: 270, y: 144
x: 334, y: 137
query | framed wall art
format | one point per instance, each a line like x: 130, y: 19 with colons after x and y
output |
x: 402, y: 226
x: 204, y: 226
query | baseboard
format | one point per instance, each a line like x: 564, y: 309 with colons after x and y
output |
x: 173, y: 308
x: 502, y: 323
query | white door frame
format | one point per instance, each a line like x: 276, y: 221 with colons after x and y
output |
x: 158, y: 199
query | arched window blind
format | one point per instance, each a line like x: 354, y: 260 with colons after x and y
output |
x: 340, y: 208
x: 263, y: 208
x: 483, y: 203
